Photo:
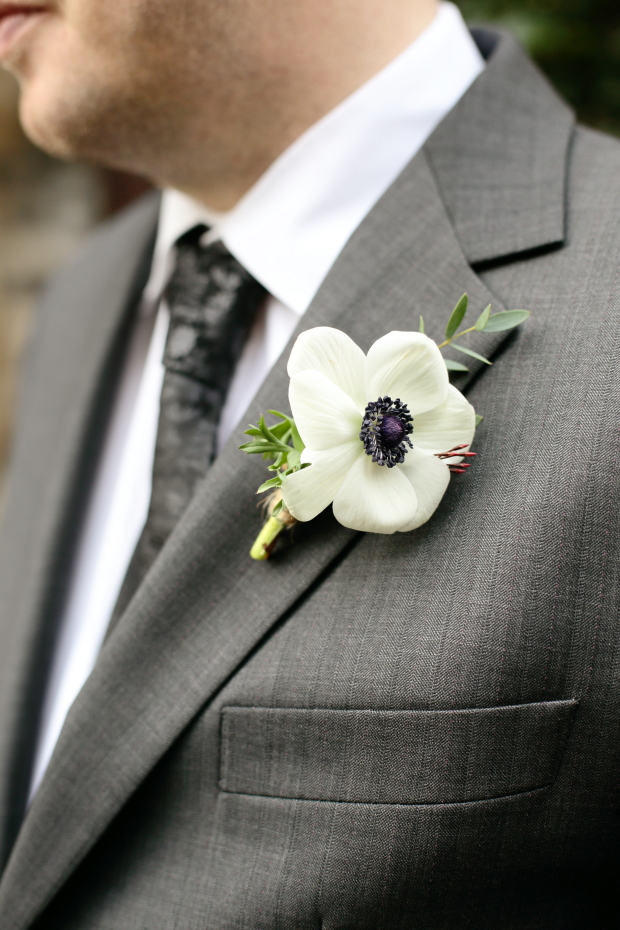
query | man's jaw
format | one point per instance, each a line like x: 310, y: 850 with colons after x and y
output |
x: 16, y: 21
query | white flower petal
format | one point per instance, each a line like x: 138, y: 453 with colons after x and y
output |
x: 451, y: 423
x: 374, y: 498
x: 408, y: 366
x: 324, y: 414
x: 333, y: 353
x: 309, y: 491
x: 430, y: 479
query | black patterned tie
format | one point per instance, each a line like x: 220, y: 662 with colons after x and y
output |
x: 213, y: 303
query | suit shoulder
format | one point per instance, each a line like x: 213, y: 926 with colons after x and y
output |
x: 137, y: 219
x: 111, y: 267
x: 594, y: 169
x: 597, y: 141
x: 107, y: 246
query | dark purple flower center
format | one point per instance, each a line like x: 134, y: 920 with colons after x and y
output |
x: 385, y: 431
x: 392, y: 431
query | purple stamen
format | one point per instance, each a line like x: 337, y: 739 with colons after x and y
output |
x: 385, y: 431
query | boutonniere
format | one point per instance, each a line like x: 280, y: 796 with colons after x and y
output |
x: 377, y: 436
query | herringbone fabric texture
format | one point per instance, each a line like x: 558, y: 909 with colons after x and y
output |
x: 371, y: 732
x: 213, y: 303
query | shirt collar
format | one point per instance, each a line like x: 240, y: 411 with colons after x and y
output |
x: 292, y: 224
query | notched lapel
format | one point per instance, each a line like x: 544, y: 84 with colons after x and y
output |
x: 61, y: 398
x: 501, y: 156
x: 205, y: 605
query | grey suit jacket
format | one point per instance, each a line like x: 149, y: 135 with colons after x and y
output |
x: 412, y: 731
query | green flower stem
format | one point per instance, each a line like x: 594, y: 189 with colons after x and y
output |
x: 266, y: 539
x: 456, y: 336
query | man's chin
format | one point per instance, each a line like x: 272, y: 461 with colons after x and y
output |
x: 46, y: 128
x: 67, y: 121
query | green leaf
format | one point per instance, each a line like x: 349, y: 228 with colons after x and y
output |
x: 294, y: 459
x: 479, y: 419
x: 451, y: 365
x: 292, y: 432
x: 290, y: 424
x: 252, y: 447
x: 270, y: 436
x: 421, y: 324
x: 298, y: 467
x: 298, y: 442
x: 274, y: 433
x: 281, y: 431
x: 272, y: 483
x: 457, y: 317
x: 471, y: 352
x: 260, y: 430
x: 282, y: 416
x: 274, y: 442
x: 507, y: 319
x: 483, y: 319
x: 276, y: 510
x: 263, y: 447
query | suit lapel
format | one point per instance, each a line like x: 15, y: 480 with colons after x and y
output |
x: 500, y: 158
x: 205, y: 605
x: 63, y: 407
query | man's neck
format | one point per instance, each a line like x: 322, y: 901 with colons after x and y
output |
x: 291, y: 225
x: 329, y: 68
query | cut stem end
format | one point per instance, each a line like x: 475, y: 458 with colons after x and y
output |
x: 264, y: 543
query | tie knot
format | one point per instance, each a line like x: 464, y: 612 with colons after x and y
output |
x: 213, y: 302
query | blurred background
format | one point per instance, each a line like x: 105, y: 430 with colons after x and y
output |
x: 46, y: 207
x: 577, y: 44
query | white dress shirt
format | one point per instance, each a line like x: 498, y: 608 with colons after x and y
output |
x: 287, y: 231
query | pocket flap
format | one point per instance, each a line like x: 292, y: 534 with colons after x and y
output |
x: 393, y: 756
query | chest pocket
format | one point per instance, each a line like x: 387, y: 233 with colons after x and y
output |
x: 393, y: 756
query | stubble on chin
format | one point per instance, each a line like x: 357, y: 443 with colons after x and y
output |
x: 91, y: 90
x: 99, y: 114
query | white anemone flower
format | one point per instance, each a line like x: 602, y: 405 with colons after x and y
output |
x: 373, y: 426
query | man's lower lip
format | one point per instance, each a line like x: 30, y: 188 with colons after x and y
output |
x: 14, y: 26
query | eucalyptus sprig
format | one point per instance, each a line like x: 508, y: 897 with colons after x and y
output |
x: 487, y: 322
